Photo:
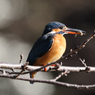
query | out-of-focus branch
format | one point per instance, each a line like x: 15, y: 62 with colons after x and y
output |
x: 75, y: 51
x: 21, y: 58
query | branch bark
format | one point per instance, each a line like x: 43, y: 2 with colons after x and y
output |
x: 51, y: 82
x: 65, y: 69
x: 49, y: 68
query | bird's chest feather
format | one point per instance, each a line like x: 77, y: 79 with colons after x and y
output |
x: 58, y: 47
x: 55, y: 52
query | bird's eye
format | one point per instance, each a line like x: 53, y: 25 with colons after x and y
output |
x: 61, y: 27
x: 49, y: 29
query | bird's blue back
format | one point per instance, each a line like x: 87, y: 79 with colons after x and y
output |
x: 41, y: 46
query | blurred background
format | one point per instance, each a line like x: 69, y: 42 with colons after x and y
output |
x: 23, y: 21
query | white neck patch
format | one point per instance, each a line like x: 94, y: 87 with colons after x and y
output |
x: 52, y: 32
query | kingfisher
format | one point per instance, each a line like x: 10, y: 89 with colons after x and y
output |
x: 51, y: 45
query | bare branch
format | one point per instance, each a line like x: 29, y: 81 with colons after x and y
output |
x: 21, y: 58
x: 23, y: 69
x: 86, y: 67
x: 75, y: 51
x: 83, y: 62
x: 51, y: 82
x: 61, y: 74
x: 34, y: 68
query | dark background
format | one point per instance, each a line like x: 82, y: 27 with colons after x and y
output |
x: 23, y: 21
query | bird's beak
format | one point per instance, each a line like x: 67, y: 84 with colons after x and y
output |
x: 74, y: 31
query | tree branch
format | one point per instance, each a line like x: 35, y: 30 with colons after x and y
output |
x: 75, y: 51
x: 8, y: 74
x: 33, y: 68
x: 51, y: 82
x: 25, y: 69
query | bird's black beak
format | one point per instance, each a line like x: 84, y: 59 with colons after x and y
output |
x: 74, y: 31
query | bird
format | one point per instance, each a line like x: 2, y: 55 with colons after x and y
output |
x: 51, y: 45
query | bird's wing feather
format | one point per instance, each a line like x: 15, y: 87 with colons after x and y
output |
x: 41, y: 46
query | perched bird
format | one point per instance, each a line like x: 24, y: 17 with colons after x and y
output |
x: 51, y: 45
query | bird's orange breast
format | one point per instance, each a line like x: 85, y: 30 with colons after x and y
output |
x: 55, y: 52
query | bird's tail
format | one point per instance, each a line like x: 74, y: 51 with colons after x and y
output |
x: 32, y: 76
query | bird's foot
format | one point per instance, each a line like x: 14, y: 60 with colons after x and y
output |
x: 53, y: 64
x: 45, y: 69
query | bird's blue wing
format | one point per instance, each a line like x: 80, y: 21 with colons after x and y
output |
x: 41, y: 46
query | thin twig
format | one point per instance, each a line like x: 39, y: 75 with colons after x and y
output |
x: 86, y: 67
x: 83, y: 62
x: 21, y: 58
x: 60, y: 75
x: 75, y: 51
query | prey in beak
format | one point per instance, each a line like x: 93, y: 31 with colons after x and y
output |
x: 74, y: 31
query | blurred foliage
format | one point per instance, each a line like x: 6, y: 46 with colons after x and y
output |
x: 23, y: 21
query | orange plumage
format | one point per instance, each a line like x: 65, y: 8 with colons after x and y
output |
x: 55, y: 52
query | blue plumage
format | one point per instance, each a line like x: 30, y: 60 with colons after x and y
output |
x: 53, y: 25
x: 41, y: 46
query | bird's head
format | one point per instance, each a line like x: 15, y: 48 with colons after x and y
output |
x: 58, y: 27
